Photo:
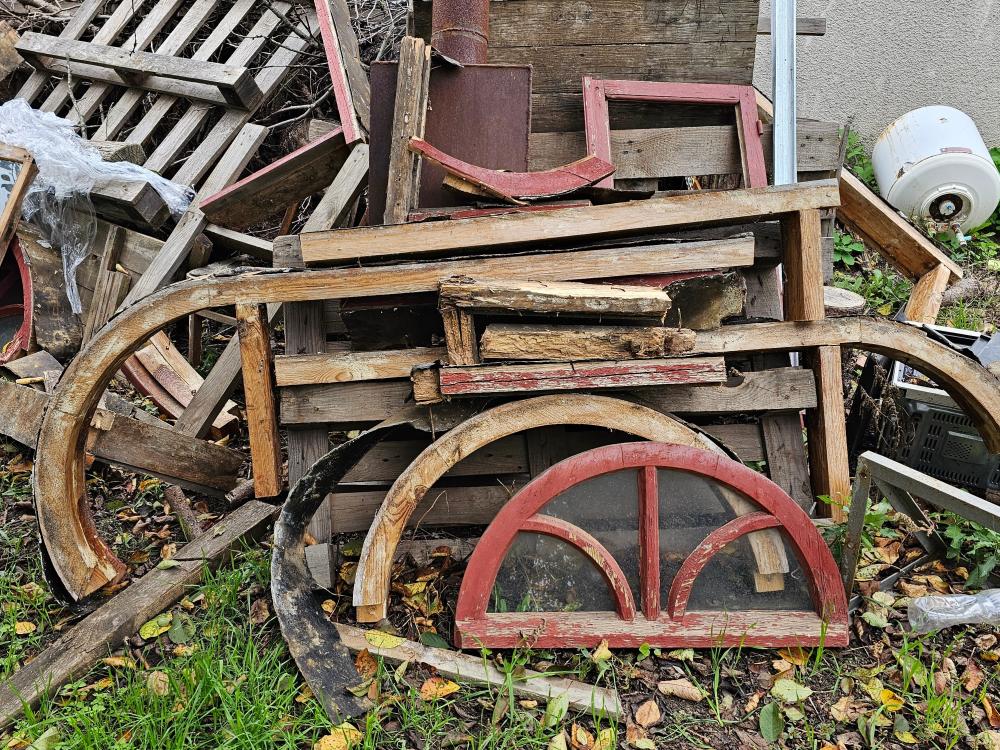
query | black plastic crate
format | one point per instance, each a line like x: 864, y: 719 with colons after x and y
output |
x: 946, y: 446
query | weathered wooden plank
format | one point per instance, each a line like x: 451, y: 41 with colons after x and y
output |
x: 384, y: 462
x: 348, y: 77
x: 497, y: 379
x: 566, y: 224
x: 514, y: 341
x: 77, y: 25
x: 925, y: 299
x: 258, y: 387
x: 786, y: 389
x: 339, y: 199
x: 459, y: 337
x: 686, y: 151
x: 468, y: 668
x: 786, y: 458
x: 107, y: 627
x: 409, y: 117
x: 555, y: 297
x: 345, y: 404
x: 306, y: 369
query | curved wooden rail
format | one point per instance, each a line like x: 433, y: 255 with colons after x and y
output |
x: 514, y: 186
x: 84, y: 563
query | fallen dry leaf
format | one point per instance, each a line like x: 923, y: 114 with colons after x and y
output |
x: 605, y: 739
x: 890, y: 700
x: 382, y: 640
x: 972, y: 677
x: 558, y: 741
x: 795, y: 655
x: 847, y: 710
x: 158, y: 683
x: 647, y: 714
x: 753, y: 702
x: 601, y: 653
x: 259, y: 612
x: 365, y: 663
x: 682, y: 688
x: 25, y: 628
x: 437, y: 687
x: 328, y: 606
x: 913, y: 590
x: 992, y: 715
x: 580, y: 738
x: 119, y: 662
x: 986, y: 641
x: 342, y: 737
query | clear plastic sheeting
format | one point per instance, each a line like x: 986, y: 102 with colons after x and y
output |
x: 928, y: 613
x: 58, y: 201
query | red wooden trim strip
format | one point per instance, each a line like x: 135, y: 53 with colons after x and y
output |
x: 516, y: 185
x: 649, y: 542
x: 597, y: 124
x: 683, y: 583
x: 474, y: 379
x: 667, y: 91
x: 595, y: 552
x: 697, y: 630
x: 338, y: 74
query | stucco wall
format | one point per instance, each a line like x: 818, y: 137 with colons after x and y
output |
x: 882, y: 58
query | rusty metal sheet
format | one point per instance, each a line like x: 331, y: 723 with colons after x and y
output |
x: 478, y: 113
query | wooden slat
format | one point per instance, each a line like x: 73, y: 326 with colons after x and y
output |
x: 565, y: 224
x: 258, y: 385
x: 107, y: 627
x: 339, y: 199
x: 306, y: 369
x: 409, y: 118
x: 349, y: 405
x: 83, y: 16
x: 348, y: 76
x: 786, y: 458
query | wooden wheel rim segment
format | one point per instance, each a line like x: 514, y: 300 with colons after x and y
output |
x: 674, y: 626
x: 84, y: 563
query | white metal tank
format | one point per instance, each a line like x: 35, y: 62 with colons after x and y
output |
x: 933, y: 165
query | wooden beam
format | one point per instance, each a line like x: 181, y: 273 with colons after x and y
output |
x: 283, y: 183
x: 306, y: 369
x: 526, y: 378
x: 565, y: 224
x: 539, y: 297
x: 892, y: 236
x: 514, y: 341
x: 130, y: 444
x: 107, y: 627
x: 213, y: 83
x: 804, y: 26
x: 258, y: 385
x: 339, y: 199
x: 925, y: 299
x: 410, y: 115
x: 459, y: 336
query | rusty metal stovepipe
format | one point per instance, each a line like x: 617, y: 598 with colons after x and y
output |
x: 460, y: 29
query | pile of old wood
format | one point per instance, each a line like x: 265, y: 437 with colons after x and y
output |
x: 511, y: 270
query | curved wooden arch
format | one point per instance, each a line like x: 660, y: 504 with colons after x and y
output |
x: 371, y: 588
x: 84, y: 563
x: 474, y: 625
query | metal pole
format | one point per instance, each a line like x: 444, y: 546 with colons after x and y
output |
x: 783, y: 15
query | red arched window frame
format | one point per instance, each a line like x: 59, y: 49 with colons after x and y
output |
x: 665, y: 624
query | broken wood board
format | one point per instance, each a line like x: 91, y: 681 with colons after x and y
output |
x: 578, y: 696
x: 515, y: 341
x: 540, y: 297
x: 258, y: 386
x: 504, y: 379
x: 491, y: 232
x: 102, y: 631
x: 402, y: 193
x: 283, y: 183
x: 351, y: 89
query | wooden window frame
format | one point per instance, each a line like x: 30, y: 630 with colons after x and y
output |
x: 597, y: 125
x: 11, y: 211
x: 671, y: 624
